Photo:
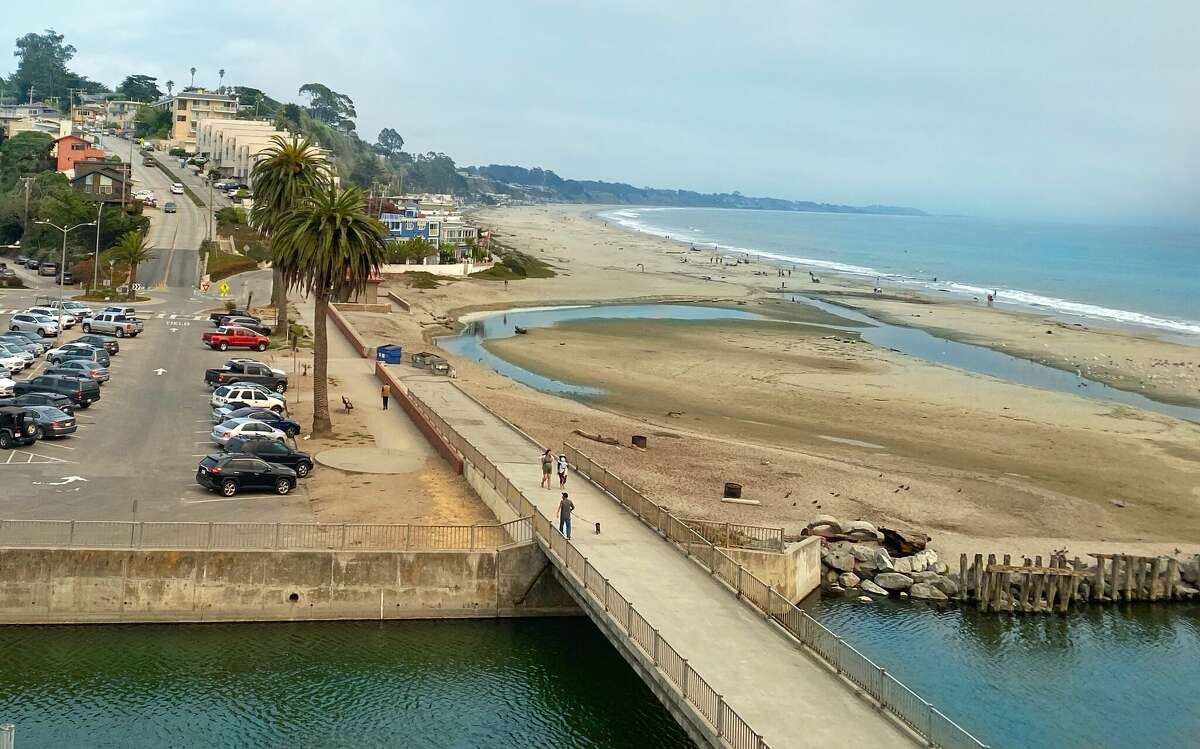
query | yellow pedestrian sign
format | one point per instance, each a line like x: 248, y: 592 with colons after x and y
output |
x: 224, y: 288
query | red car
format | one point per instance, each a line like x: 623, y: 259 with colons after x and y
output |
x: 235, y: 337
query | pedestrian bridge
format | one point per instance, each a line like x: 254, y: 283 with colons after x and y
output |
x: 736, y: 663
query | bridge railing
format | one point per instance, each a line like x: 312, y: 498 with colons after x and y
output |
x: 123, y: 534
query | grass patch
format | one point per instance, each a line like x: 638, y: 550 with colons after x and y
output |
x: 223, y: 264
x: 421, y: 280
x: 108, y: 296
x: 514, y: 266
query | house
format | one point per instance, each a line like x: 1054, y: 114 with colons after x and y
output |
x: 71, y: 148
x: 457, y: 233
x: 191, y: 107
x: 104, y: 181
x: 410, y: 223
x: 88, y: 114
x: 120, y: 113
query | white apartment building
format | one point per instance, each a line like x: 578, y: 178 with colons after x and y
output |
x: 190, y: 108
x: 235, y: 146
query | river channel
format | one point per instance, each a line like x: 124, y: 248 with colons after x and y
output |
x: 431, y: 684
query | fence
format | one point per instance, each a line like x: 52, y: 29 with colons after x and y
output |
x: 737, y: 536
x: 892, y: 696
x: 287, y: 536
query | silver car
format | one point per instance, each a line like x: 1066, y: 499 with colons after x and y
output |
x: 9, y: 349
x: 43, y: 325
x: 81, y: 368
x: 243, y: 427
x: 19, y: 342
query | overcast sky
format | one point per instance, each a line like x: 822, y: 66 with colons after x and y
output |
x: 1067, y: 110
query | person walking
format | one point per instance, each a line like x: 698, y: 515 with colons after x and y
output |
x: 565, y: 507
x: 562, y: 471
x: 547, y: 465
x: 385, y: 392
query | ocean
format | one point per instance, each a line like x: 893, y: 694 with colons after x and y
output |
x: 1146, y: 277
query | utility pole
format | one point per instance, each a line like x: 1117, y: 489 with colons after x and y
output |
x: 96, y: 261
x: 25, y: 223
x: 31, y: 96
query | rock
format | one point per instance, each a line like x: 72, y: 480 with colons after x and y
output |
x: 861, y: 530
x: 931, y: 556
x: 862, y: 552
x: 1189, y: 570
x: 902, y: 541
x: 1184, y: 590
x: 842, y: 561
x: 849, y: 580
x: 925, y: 576
x: 893, y: 581
x: 923, y: 559
x: 831, y: 577
x: 940, y: 567
x: 883, y: 561
x: 824, y: 525
x: 903, y: 594
x: 946, y: 585
x: 870, y: 587
x: 903, y: 565
x: 864, y: 599
x: 927, y: 592
x: 837, y: 588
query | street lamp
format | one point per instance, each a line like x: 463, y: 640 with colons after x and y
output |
x: 62, y: 268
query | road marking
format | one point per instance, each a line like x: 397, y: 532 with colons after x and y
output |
x: 28, y: 458
x: 55, y: 444
x: 65, y: 480
x: 160, y: 371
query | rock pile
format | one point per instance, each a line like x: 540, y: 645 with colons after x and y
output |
x: 858, y: 561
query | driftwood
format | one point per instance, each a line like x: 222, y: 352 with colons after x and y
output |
x: 903, y: 542
x: 739, y: 501
x: 599, y: 438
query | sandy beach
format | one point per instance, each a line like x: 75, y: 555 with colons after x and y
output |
x: 814, y: 426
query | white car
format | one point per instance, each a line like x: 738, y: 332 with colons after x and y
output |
x: 11, y: 362
x: 248, y: 395
x: 7, y: 387
x: 70, y: 306
x: 65, y: 318
x: 43, y: 325
x: 177, y: 188
x: 22, y: 355
x: 243, y: 427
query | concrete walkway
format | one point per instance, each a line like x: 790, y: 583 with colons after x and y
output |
x: 777, y: 689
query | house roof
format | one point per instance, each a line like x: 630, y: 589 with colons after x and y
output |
x: 73, y: 137
x: 110, y: 171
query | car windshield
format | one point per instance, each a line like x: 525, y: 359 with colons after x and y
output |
x: 231, y: 424
x: 221, y: 392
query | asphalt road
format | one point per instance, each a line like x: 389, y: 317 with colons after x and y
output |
x: 136, y: 450
x: 175, y: 237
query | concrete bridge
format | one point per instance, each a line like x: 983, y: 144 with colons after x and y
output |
x: 734, y: 661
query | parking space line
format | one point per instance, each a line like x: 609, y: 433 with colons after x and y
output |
x: 55, y: 444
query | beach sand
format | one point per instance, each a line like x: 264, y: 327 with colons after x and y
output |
x: 814, y: 426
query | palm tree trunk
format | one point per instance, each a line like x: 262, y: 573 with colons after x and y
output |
x: 322, y: 426
x: 279, y: 301
x: 132, y: 281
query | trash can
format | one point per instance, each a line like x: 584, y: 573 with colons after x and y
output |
x: 389, y: 353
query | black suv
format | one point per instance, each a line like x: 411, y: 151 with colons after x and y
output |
x: 54, y: 400
x: 272, y: 452
x: 17, y: 427
x: 82, y: 392
x: 229, y: 474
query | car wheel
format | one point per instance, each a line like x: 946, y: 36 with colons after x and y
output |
x: 36, y: 432
x: 6, y: 440
x: 302, y: 469
x: 87, y: 328
x: 283, y: 486
x: 222, y: 346
x: 293, y: 431
x: 229, y: 487
x: 41, y: 332
x: 260, y: 346
x: 280, y: 387
x: 277, y: 409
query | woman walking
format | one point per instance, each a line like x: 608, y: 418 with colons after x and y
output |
x: 547, y: 466
x: 562, y: 471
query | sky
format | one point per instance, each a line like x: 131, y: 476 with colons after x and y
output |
x: 1065, y: 111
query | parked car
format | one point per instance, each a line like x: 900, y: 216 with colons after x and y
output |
x: 32, y: 337
x: 113, y: 323
x: 76, y: 350
x: 54, y: 423
x: 7, y: 383
x: 272, y: 451
x: 47, y: 269
x: 229, y: 474
x: 17, y: 427
x: 108, y: 344
x: 83, y: 392
x: 80, y: 368
x: 23, y: 357
x: 265, y: 415
x: 72, y: 307
x: 248, y: 396
x: 65, y: 319
x: 32, y: 263
x: 177, y: 188
x: 11, y: 362
x: 226, y: 430
x: 224, y: 339
x: 247, y: 371
x: 34, y: 347
x: 215, y: 317
x: 252, y: 323
x: 43, y: 325
x: 61, y: 402
x: 170, y: 207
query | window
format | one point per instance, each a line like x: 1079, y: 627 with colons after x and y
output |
x: 181, y: 118
x: 182, y: 104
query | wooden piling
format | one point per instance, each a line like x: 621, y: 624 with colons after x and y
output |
x: 1098, y: 582
x: 1078, y: 566
x: 1169, y: 583
x: 962, y: 577
x: 1026, y: 587
x: 1155, y: 571
x: 1130, y: 572
x: 979, y: 577
x: 1038, y: 581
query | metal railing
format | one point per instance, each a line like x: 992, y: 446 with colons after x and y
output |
x: 122, y: 534
x: 897, y: 699
x: 737, y: 536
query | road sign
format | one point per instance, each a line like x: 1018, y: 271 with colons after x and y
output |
x: 138, y: 287
x: 224, y: 288
x: 204, y: 285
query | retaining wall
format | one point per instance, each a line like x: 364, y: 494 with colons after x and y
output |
x: 348, y: 330
x: 43, y: 586
x: 795, y: 573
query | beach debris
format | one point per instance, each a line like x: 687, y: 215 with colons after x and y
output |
x: 675, y: 414
x: 733, y: 490
x: 598, y: 438
x: 902, y: 542
x: 1117, y: 502
x: 639, y: 441
x: 736, y: 501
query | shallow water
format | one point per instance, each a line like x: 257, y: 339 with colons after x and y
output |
x: 439, y: 684
x: 1101, y: 678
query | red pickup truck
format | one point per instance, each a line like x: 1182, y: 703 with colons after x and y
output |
x: 235, y: 337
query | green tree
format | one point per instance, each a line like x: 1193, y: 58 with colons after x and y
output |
x: 140, y: 87
x: 22, y: 155
x: 328, y: 246
x: 52, y: 199
x: 132, y: 250
x: 42, y: 64
x: 170, y: 88
x: 329, y: 106
x: 288, y: 172
x: 389, y: 143
x: 152, y: 122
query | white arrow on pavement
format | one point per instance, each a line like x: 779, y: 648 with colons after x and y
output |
x: 160, y: 371
x: 65, y: 480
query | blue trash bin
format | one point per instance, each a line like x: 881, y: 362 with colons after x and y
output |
x: 389, y: 353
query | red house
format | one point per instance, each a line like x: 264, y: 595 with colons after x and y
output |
x: 72, y: 148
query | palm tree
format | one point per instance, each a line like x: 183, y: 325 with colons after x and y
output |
x: 329, y: 246
x: 193, y: 83
x: 221, y: 78
x: 132, y: 249
x: 286, y: 173
x: 170, y: 88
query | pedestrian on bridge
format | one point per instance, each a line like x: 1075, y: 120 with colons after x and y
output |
x: 547, y: 466
x: 562, y: 471
x: 385, y: 392
x: 565, y: 507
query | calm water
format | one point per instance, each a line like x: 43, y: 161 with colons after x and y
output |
x: 521, y: 683
x: 1138, y: 275
x: 1102, y: 678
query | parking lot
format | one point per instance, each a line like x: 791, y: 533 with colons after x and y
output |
x: 135, y: 453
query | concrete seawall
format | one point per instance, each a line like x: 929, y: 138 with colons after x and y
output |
x: 44, y: 586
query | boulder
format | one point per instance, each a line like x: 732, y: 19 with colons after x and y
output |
x: 870, y: 587
x: 836, y: 588
x: 849, y: 580
x: 883, y: 561
x: 1189, y: 570
x: 902, y: 541
x: 831, y: 577
x: 893, y: 581
x: 922, y: 559
x: 940, y: 567
x: 946, y: 585
x: 925, y: 576
x: 1187, y: 591
x: 862, y: 552
x: 927, y: 592
x: 864, y: 599
x: 902, y: 565
x: 824, y: 525
x: 861, y: 530
x: 842, y: 561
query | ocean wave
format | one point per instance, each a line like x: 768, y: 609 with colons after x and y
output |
x: 630, y: 219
